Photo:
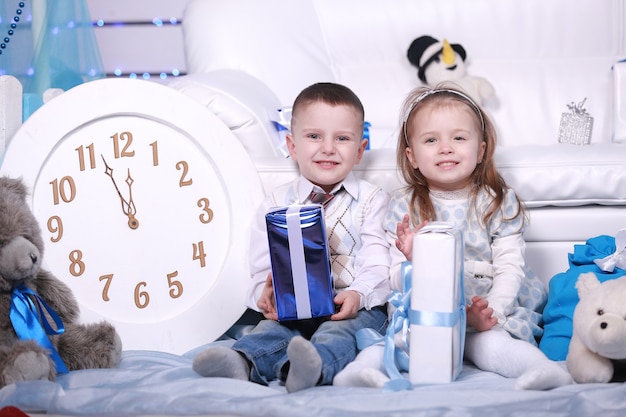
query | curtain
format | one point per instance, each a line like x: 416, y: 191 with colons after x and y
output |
x: 48, y: 44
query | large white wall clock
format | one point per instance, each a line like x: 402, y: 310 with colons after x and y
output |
x: 144, y: 198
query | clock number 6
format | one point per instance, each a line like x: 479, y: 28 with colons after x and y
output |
x: 142, y: 298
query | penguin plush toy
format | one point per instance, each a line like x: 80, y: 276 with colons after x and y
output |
x: 439, y: 61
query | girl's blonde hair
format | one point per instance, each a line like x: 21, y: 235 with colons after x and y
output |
x: 485, y: 176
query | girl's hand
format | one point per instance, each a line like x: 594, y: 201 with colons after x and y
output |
x: 404, y: 242
x: 267, y: 302
x: 480, y: 315
x: 348, y: 302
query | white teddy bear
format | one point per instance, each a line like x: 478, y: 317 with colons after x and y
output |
x: 599, y: 329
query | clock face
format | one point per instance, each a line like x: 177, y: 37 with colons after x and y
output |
x: 123, y: 192
x: 144, y: 208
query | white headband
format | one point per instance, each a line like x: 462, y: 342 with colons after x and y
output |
x: 427, y: 93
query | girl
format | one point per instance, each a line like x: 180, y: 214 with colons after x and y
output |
x: 446, y: 156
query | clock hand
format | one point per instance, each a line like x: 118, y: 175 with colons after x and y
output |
x: 133, y: 223
x: 128, y: 207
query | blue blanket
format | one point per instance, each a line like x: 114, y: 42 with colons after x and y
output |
x: 154, y: 383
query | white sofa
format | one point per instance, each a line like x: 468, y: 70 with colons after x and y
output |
x: 246, y: 59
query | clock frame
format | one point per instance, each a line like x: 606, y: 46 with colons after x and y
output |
x: 144, y: 198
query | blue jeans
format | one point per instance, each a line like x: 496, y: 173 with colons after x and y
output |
x: 266, y: 345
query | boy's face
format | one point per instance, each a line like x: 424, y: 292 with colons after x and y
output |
x: 327, y: 142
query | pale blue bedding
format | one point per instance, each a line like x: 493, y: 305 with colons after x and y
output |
x: 154, y: 383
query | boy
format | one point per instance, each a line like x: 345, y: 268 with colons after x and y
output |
x: 326, y: 141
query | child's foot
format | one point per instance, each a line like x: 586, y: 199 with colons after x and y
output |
x: 360, y: 377
x: 366, y: 370
x: 544, y: 377
x: 221, y: 361
x: 305, y: 365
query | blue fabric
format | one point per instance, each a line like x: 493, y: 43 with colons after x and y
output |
x: 30, y: 322
x: 335, y: 341
x: 156, y: 383
x: 563, y: 296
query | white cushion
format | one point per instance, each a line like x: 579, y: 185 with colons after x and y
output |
x: 241, y: 101
x: 565, y: 174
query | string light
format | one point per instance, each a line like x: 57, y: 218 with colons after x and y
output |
x: 158, y: 22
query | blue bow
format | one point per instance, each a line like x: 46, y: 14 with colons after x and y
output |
x: 395, y: 360
x: 30, y: 322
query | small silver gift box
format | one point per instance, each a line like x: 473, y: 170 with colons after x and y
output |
x: 576, y: 126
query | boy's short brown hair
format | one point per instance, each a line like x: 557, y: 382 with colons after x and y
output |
x: 330, y: 93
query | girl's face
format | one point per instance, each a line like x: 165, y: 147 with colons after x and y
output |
x: 327, y: 142
x: 445, y: 145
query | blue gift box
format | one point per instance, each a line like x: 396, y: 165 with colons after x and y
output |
x: 299, y: 254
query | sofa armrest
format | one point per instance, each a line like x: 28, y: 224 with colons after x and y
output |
x: 244, y: 103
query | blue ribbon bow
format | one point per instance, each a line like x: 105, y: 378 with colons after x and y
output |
x: 395, y: 360
x: 30, y: 322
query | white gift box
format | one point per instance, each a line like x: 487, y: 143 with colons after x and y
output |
x: 437, y: 315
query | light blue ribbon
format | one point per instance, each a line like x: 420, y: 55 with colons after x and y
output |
x: 442, y: 319
x: 435, y: 318
x: 395, y: 359
x: 30, y: 322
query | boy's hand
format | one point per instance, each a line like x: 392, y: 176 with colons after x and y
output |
x: 348, y: 302
x: 267, y: 302
x: 404, y: 242
x: 480, y: 315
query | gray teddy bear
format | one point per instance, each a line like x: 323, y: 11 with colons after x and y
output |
x: 39, y: 331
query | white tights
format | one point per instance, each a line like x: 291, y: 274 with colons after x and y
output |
x: 494, y: 351
x: 497, y: 351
